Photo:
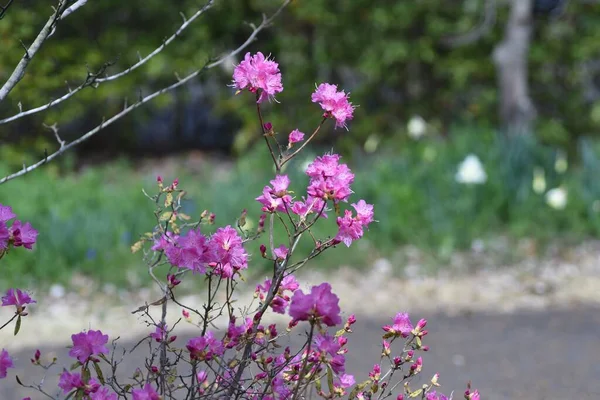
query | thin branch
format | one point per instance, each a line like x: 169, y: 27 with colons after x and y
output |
x: 19, y: 71
x: 4, y: 8
x: 94, y: 79
x: 126, y: 110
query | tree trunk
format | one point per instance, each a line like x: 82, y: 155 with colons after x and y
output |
x: 517, y: 111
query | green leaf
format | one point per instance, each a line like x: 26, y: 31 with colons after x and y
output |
x: 99, y: 373
x: 18, y: 325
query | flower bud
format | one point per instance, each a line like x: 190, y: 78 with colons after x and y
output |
x: 263, y: 251
x: 154, y: 369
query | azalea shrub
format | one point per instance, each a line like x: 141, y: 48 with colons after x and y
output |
x: 245, y: 360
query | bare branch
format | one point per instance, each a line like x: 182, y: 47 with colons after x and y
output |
x: 4, y: 8
x: 487, y: 23
x: 94, y: 79
x: 19, y: 71
x: 74, y: 7
x: 143, y: 100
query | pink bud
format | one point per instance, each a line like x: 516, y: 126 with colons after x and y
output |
x: 400, y: 397
x: 425, y: 348
x: 268, y: 126
x: 186, y: 313
x: 421, y: 324
x: 172, y: 338
x: 342, y: 340
x: 351, y: 319
x: 263, y: 250
x: 261, y: 375
x: 154, y: 369
x: 159, y: 179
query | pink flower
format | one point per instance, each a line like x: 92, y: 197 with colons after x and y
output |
x: 147, y: 393
x: 402, y: 325
x: 351, y: 228
x: 235, y: 332
x: 328, y: 345
x: 330, y: 180
x: 23, y: 234
x: 346, y: 380
x: 17, y: 298
x: 295, y: 136
x: 474, y: 395
x: 205, y: 347
x: 335, y: 104
x: 256, y: 73
x: 311, y: 205
x: 226, y: 252
x: 281, y: 252
x: 6, y: 362
x: 193, y: 251
x: 103, y: 394
x: 274, y: 198
x: 281, y: 299
x: 435, y: 396
x: 87, y: 344
x: 320, y: 304
x: 6, y: 213
x: 69, y: 381
x: 4, y: 235
x: 160, y: 334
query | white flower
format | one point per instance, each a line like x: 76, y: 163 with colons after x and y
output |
x: 417, y: 127
x: 471, y: 171
x: 557, y: 198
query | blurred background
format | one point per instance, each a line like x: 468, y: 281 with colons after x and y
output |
x: 459, y: 150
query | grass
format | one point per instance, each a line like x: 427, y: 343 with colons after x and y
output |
x: 89, y: 219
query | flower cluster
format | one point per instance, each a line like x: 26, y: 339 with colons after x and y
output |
x: 223, y: 252
x: 351, y: 227
x: 335, y: 104
x: 19, y: 234
x: 259, y: 75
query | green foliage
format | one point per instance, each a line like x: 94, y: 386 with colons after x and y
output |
x: 391, y: 56
x: 88, y: 220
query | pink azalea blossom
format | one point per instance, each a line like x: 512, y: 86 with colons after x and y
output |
x: 235, y: 332
x: 310, y: 205
x: 295, y: 136
x: 6, y: 213
x: 351, y: 228
x: 281, y: 252
x: 23, y: 234
x: 69, y: 381
x: 103, y: 394
x: 330, y: 180
x: 226, y: 252
x: 274, y: 198
x: 205, y: 347
x: 401, y: 327
x: 17, y: 298
x: 160, y: 334
x: 346, y: 380
x: 147, y: 393
x: 4, y: 236
x: 193, y: 251
x: 329, y: 347
x: 320, y: 304
x: 435, y: 396
x: 258, y: 73
x: 281, y: 299
x: 335, y: 104
x: 87, y: 344
x: 6, y: 362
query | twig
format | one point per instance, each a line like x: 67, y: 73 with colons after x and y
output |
x: 126, y: 110
x: 94, y: 79
x: 19, y: 71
